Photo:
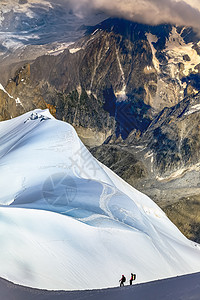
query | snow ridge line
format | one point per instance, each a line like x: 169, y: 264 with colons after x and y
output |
x: 19, y: 140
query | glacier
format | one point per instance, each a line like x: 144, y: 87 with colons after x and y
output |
x: 68, y: 222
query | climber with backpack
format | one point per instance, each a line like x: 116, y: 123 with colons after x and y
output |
x: 133, y: 277
x: 122, y: 280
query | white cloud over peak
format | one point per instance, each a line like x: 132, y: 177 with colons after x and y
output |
x: 179, y: 12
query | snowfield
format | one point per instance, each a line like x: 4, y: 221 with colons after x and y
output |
x: 68, y: 222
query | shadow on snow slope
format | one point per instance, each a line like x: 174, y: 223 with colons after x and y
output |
x: 184, y: 288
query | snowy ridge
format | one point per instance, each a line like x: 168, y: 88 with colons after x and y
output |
x: 68, y: 222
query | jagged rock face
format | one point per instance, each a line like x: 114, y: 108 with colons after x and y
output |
x: 123, y: 163
x: 96, y: 70
x: 168, y: 154
x: 85, y: 112
x: 117, y: 78
x: 174, y: 61
x: 14, y: 100
x: 7, y: 105
x: 171, y: 144
x: 174, y: 137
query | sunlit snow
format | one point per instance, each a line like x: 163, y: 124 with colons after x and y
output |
x: 68, y: 222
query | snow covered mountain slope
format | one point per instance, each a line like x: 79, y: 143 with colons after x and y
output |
x: 68, y: 222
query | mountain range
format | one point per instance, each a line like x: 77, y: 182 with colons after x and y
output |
x: 132, y: 93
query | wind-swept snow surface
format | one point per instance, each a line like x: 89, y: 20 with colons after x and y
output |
x: 68, y: 222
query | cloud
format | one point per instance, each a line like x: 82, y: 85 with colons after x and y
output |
x: 179, y: 12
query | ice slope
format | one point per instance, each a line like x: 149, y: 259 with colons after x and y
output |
x: 68, y: 222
